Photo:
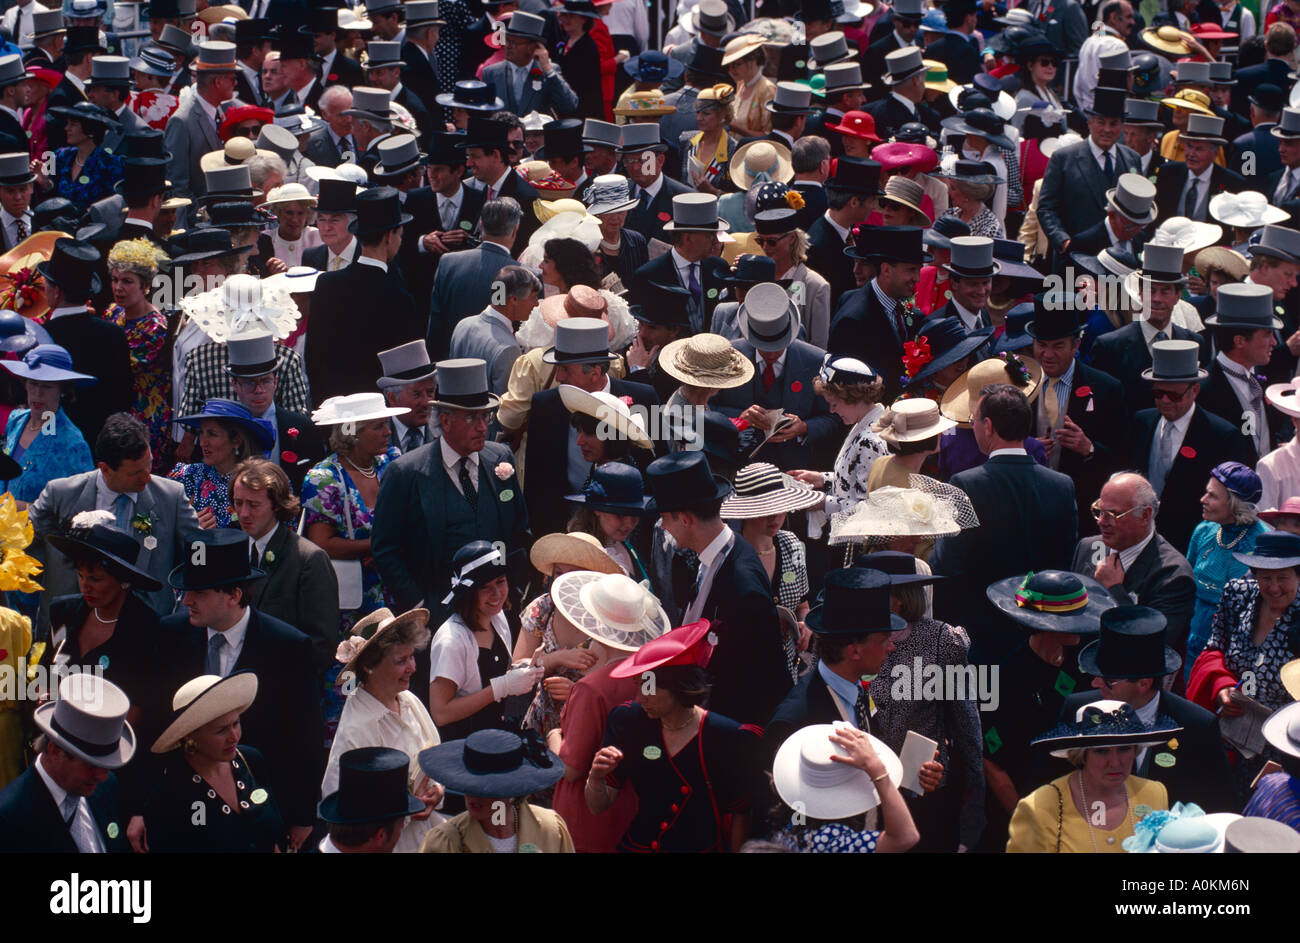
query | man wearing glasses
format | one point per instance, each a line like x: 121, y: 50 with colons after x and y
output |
x: 1134, y: 563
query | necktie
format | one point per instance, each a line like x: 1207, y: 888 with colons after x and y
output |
x: 896, y: 318
x: 1256, y: 393
x: 467, y: 485
x: 1164, y: 456
x: 686, y: 568
x: 413, y: 440
x: 769, y: 376
x: 337, y: 263
x: 122, y: 512
x: 216, y: 644
x: 253, y: 556
x: 1161, y: 336
x: 448, y: 214
x: 1189, y: 201
x: 1108, y: 167
x: 491, y: 193
x: 345, y: 144
x: 80, y: 827
x: 862, y: 709
x: 643, y: 200
x: 1284, y: 187
x: 693, y: 283
x: 1051, y: 407
x: 21, y: 226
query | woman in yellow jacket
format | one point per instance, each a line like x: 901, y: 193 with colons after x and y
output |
x: 1095, y: 807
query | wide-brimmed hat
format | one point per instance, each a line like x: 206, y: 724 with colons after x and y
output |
x: 616, y: 420
x: 19, y: 335
x: 1175, y: 361
x: 1131, y: 645
x: 927, y: 508
x: 809, y: 780
x: 1290, y: 508
x: 1186, y: 830
x: 707, y: 360
x: 1284, y: 397
x: 1248, y: 209
x: 222, y: 562
x: 1052, y: 601
x: 154, y: 60
x: 1282, y: 728
x: 261, y: 431
x: 653, y: 66
x: 907, y: 193
x: 854, y: 601
x: 944, y: 231
x: 759, y: 162
x: 355, y: 408
x: 1274, y: 550
x: 762, y: 489
x: 614, y: 487
x: 87, y: 535
x: 916, y: 419
x: 1189, y: 99
x: 936, y: 77
x: 493, y: 763
x: 298, y: 120
x: 941, y: 343
x: 48, y: 363
x: 982, y: 122
x: 369, y: 629
x: 1253, y: 834
x: 683, y: 480
x: 690, y: 644
x: 239, y: 214
x: 971, y: 171
x: 646, y: 104
x: 1245, y: 305
x: 374, y: 786
x: 202, y: 700
x: 577, y: 549
x: 1106, y: 724
x: 1168, y: 39
x: 959, y: 400
x: 88, y: 720
x: 610, y: 607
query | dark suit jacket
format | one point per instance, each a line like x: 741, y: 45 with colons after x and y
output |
x: 245, y: 91
x: 862, y: 329
x: 307, y: 446
x: 98, y: 348
x: 416, y: 269
x: 1259, y: 147
x: 1273, y: 179
x: 319, y: 256
x: 890, y: 114
x: 822, y: 124
x: 409, y: 100
x: 1123, y: 354
x: 1100, y: 413
x: 345, y: 71
x: 873, y: 63
x: 301, y: 589
x: 649, y: 222
x: 814, y: 202
x: 1218, y: 397
x: 1272, y: 71
x: 1073, y: 194
x: 661, y: 270
x: 285, y: 721
x: 1209, y: 441
x: 1160, y: 578
x: 1096, y: 237
x: 322, y: 150
x: 418, y: 75
x: 809, y: 702
x: 959, y: 54
x: 1028, y: 522
x: 1200, y: 772
x: 826, y: 257
x: 1172, y: 177
x: 12, y: 136
x: 31, y: 822
x: 462, y: 287
x: 546, y: 461
x: 521, y: 190
x: 554, y: 97
x: 343, y: 349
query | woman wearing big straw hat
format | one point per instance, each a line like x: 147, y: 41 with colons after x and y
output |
x: 1277, y: 796
x: 378, y: 663
x: 911, y: 430
x: 616, y: 616
x: 703, y: 364
x: 211, y: 795
x: 610, y: 508
x: 744, y: 58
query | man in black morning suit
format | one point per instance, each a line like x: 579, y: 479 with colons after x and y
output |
x: 851, y: 197
x: 487, y: 153
x: 222, y: 634
x: 691, y: 263
x: 13, y: 96
x: 904, y: 24
x: 402, y: 168
x: 1177, y: 444
x: 730, y: 589
x: 642, y: 155
x: 1174, y: 194
x: 420, y: 74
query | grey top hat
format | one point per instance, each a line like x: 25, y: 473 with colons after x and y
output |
x: 901, y: 65
x: 422, y: 13
x: 791, y: 98
x: 215, y: 57
x: 1221, y: 73
x: 1142, y: 111
x: 768, y: 318
x: 1289, y: 125
x: 909, y: 9
x: 1134, y: 198
x: 1204, y: 128
x: 641, y: 137
x: 1246, y: 306
x: 11, y: 70
x: 525, y: 25
x: 1194, y: 72
x: 580, y: 340
x: 1175, y: 362
x: 380, y: 54
x: 845, y: 77
x: 1256, y: 835
x: 1119, y: 60
x: 463, y: 384
x: 45, y: 23
x: 1163, y: 264
x: 602, y: 133
x: 372, y: 103
x: 695, y: 212
x: 275, y: 138
x: 972, y: 257
x: 408, y: 363
x: 251, y: 355
x: 88, y: 720
x: 828, y: 48
x: 110, y: 71
x: 233, y: 178
x: 397, y: 155
x: 383, y: 6
x: 1278, y: 242
x: 711, y: 16
x: 174, y: 39
x: 16, y: 169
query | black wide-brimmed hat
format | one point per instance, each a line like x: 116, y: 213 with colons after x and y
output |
x: 854, y: 601
x: 72, y: 266
x: 222, y: 560
x: 1052, y: 601
x: 983, y: 123
x: 683, y: 480
x: 493, y: 763
x: 198, y: 244
x: 379, y: 210
x: 116, y: 549
x: 86, y: 113
x: 237, y: 214
x: 372, y: 788
x: 614, y: 487
x: 900, y: 567
x: 1056, y: 316
x: 949, y: 342
x: 1106, y: 724
x: 1131, y: 645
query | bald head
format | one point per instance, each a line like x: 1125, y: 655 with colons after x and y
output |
x: 1128, y: 506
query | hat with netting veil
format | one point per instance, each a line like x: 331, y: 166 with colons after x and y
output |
x: 929, y: 508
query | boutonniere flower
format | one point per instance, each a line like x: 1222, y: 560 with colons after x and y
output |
x: 665, y: 217
x: 142, y: 524
x: 796, y: 387
x: 1083, y: 391
x: 333, y: 77
x: 288, y: 457
x: 269, y: 557
x: 1187, y: 452
x: 292, y: 432
x: 504, y: 471
x: 627, y: 401
x: 535, y: 73
x: 909, y: 313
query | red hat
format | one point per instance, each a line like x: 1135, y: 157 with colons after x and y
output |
x: 1211, y: 31
x: 858, y: 124
x: 686, y: 645
x: 1290, y: 508
x: 50, y: 77
x: 898, y: 154
x: 243, y: 113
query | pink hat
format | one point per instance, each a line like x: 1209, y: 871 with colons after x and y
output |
x: 897, y: 154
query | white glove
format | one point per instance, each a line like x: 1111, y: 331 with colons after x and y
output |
x: 516, y: 681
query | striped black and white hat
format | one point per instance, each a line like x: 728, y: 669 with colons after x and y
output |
x: 762, y: 489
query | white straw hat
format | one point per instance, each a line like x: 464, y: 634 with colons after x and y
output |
x: 937, y: 510
x: 355, y: 407
x: 202, y: 700
x: 809, y: 781
x: 611, y: 608
x: 614, y: 415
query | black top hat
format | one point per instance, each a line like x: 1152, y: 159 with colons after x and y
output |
x: 900, y: 567
x: 614, y: 487
x: 658, y: 303
x: 949, y: 342
x: 1109, y: 102
x: 445, y: 148
x: 378, y: 210
x: 142, y: 177
x: 493, y: 763
x: 83, y: 39
x: 115, y: 549
x: 237, y: 214
x: 793, y: 64
x: 337, y: 196
x: 72, y: 266
x: 1131, y: 645
x: 372, y: 788
x: 209, y: 243
x: 1055, y: 317
x: 257, y: 30
x: 944, y: 230
x: 484, y: 132
x: 297, y: 44
x: 1052, y: 601
x: 854, y: 601
x: 561, y: 138
x: 706, y: 59
x: 55, y: 207
x: 901, y: 244
x: 145, y: 142
x: 221, y: 561
x: 855, y: 175
x: 683, y: 480
x: 320, y: 19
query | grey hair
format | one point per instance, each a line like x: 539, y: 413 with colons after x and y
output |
x: 261, y: 167
x: 375, y: 124
x: 518, y: 281
x: 1241, y: 510
x: 1144, y: 496
x: 499, y: 217
x: 808, y: 153
x: 977, y: 191
x: 335, y: 95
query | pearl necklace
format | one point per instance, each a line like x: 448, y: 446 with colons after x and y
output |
x: 102, y: 619
x: 1087, y: 816
x: 364, y: 472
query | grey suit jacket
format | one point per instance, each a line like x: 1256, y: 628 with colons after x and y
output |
x: 131, y: 123
x: 322, y: 150
x: 487, y: 339
x: 1073, y: 195
x: 555, y: 95
x: 301, y: 589
x: 461, y: 289
x: 163, y: 502
x: 671, y: 127
x: 188, y: 137
x: 1160, y: 577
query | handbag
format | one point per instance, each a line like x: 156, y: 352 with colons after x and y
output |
x: 347, y: 572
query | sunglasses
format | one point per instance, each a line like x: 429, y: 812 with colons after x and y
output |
x: 1045, y: 61
x: 1171, y: 395
x: 768, y: 241
x: 1099, y: 513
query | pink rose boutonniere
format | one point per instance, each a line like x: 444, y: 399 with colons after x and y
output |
x: 504, y: 471
x: 292, y: 432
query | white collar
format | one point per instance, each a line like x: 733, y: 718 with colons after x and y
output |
x: 680, y: 262
x: 492, y: 314
x: 1149, y: 330
x: 328, y: 61
x: 1148, y: 711
x: 345, y: 254
x: 235, y: 634
x: 328, y: 847
x: 777, y: 365
x: 1180, y: 425
x: 450, y: 457
x: 453, y: 200
x: 1019, y: 451
x: 367, y: 260
x: 843, y: 233
x: 1203, y: 176
x: 501, y: 181
x: 261, y: 542
x: 80, y: 83
x: 57, y: 792
x: 101, y: 487
x: 209, y: 110
x: 1126, y: 557
x: 717, y: 547
x: 1099, y: 155
x: 67, y: 310
x: 652, y: 191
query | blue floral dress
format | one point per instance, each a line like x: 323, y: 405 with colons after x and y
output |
x: 101, y: 171
x: 206, y: 489
x: 59, y: 455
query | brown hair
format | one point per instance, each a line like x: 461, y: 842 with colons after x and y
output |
x: 870, y: 392
x: 407, y: 633
x: 263, y: 475
x: 911, y: 600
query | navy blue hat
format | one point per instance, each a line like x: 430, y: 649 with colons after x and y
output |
x: 116, y: 550
x: 493, y: 763
x: 372, y: 788
x: 1053, y: 601
x: 662, y: 304
x: 474, y: 565
x: 1015, y: 336
x: 48, y: 363
x: 900, y: 567
x: 1274, y: 550
x: 614, y: 487
x: 944, y: 231
x: 751, y: 270
x: 949, y: 342
x: 653, y: 66
x: 227, y: 410
x: 854, y: 601
x: 1131, y: 645
x: 19, y: 334
x: 681, y: 481
x: 1240, y: 480
x: 1106, y: 724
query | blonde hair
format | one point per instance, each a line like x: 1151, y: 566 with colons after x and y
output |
x: 139, y: 256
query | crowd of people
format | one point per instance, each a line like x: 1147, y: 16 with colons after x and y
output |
x: 494, y: 426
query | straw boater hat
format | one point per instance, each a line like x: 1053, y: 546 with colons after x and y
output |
x: 959, y: 400
x: 648, y: 104
x: 808, y: 779
x: 611, y: 608
x: 369, y: 628
x: 762, y: 489
x: 759, y: 162
x: 706, y: 360
x: 201, y: 701
x: 576, y: 549
x: 1168, y: 39
x: 88, y: 720
x: 609, y: 410
x: 1189, y: 99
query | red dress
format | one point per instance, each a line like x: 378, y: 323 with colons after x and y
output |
x: 931, y: 290
x: 608, y: 64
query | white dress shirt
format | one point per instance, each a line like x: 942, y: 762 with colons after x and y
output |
x: 1126, y: 557
x: 260, y: 544
x: 711, y: 559
x: 402, y: 429
x: 335, y: 262
x: 11, y: 226
x: 451, y: 462
x: 1202, y: 192
x: 367, y: 260
x: 1245, y: 395
x: 82, y: 825
x: 449, y: 208
x: 234, y: 642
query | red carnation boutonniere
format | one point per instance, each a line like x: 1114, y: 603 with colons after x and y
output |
x: 292, y: 432
x: 740, y: 424
x: 1187, y: 452
x: 665, y: 217
x: 916, y: 354
x: 535, y: 74
x: 290, y: 458
x: 332, y: 77
x: 1083, y: 391
x: 796, y: 387
x: 627, y: 400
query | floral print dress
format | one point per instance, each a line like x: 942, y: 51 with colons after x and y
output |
x: 100, y: 172
x: 206, y: 489
x: 151, y: 375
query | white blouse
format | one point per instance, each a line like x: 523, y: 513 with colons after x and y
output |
x: 453, y: 654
